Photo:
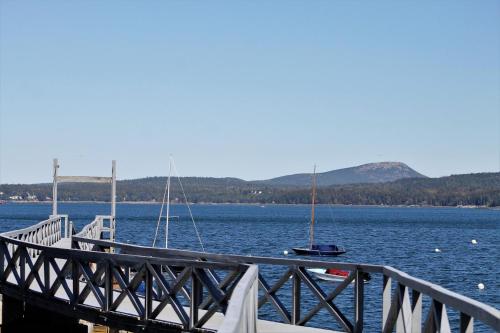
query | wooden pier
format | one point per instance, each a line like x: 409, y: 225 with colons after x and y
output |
x: 50, y: 269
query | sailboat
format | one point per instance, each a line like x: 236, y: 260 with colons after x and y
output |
x: 317, y: 249
x: 166, y: 199
x: 334, y: 274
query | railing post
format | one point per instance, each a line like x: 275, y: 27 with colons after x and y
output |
x: 66, y: 233
x: 404, y: 319
x: 2, y: 261
x: 359, y: 294
x: 75, y: 276
x: 3, y: 246
x: 71, y: 233
x: 148, y: 295
x: 195, y: 300
x: 466, y: 323
x: 386, y: 300
x: 46, y: 275
x: 416, y: 309
x: 295, y: 297
x: 99, y: 227
x: 159, y: 292
x: 108, y: 286
x: 437, y: 320
x: 22, y: 266
x: 59, y: 230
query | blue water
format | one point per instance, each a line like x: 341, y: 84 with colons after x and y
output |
x: 404, y: 238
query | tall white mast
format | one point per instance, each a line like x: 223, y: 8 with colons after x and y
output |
x: 168, y: 201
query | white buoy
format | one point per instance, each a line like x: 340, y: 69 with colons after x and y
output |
x: 480, y: 286
x: 474, y: 241
x: 437, y: 250
x: 285, y: 252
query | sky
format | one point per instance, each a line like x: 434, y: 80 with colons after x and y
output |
x: 248, y: 89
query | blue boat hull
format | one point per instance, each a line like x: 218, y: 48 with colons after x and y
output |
x: 320, y: 250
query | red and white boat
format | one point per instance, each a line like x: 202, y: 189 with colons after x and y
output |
x: 333, y: 274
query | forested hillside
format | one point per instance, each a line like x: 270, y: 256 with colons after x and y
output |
x: 482, y: 189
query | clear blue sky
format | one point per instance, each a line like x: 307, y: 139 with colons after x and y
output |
x: 251, y: 89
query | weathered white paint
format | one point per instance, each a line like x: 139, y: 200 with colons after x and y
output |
x: 241, y: 314
x: 54, y: 187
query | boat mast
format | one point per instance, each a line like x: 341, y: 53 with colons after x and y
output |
x: 311, y: 230
x: 168, y: 201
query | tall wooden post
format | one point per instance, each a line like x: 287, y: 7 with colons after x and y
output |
x: 359, y: 295
x: 113, y: 201
x: 113, y: 188
x: 54, y: 188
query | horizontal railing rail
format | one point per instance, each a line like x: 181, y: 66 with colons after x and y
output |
x: 50, y: 225
x: 399, y: 311
x: 230, y: 258
x: 46, y: 233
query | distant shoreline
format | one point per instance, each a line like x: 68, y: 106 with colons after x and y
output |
x: 245, y: 204
x: 470, y: 190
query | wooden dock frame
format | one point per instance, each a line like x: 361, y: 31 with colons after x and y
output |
x: 85, y: 179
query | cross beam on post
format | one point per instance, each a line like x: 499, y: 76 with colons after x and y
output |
x: 85, y: 179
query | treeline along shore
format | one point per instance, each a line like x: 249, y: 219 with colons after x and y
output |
x: 481, y: 189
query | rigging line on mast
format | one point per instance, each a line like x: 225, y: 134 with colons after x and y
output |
x: 161, y: 212
x: 188, y: 206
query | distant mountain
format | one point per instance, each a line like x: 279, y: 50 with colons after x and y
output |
x: 367, y: 173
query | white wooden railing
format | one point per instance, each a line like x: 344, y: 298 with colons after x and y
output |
x: 95, y: 229
x: 241, y: 315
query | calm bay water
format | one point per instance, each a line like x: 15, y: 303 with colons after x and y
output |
x: 404, y: 238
